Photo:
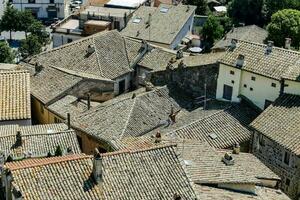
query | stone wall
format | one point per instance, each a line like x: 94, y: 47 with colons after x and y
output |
x: 190, y: 79
x: 272, y: 154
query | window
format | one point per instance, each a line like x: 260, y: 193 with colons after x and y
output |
x: 51, y: 1
x: 287, y: 182
x: 31, y: 1
x: 251, y: 89
x: 69, y: 40
x: 231, y: 72
x: 273, y: 84
x: 286, y: 159
x: 42, y: 108
x: 253, y: 78
x: 232, y: 81
x: 245, y: 85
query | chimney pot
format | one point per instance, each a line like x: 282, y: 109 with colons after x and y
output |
x: 240, y: 61
x: 97, y: 167
x: 18, y: 139
x: 288, y: 42
x: 69, y: 121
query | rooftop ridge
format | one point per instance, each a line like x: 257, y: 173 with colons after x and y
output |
x: 29, y: 163
x: 14, y: 71
x: 126, y: 151
x: 97, y: 58
x: 37, y: 134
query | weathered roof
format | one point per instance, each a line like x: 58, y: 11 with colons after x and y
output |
x: 14, y: 95
x: 166, y: 22
x: 205, y: 165
x: 280, y: 63
x: 37, y: 140
x: 145, y: 174
x: 250, y: 33
x: 109, y: 60
x: 220, y: 128
x: 128, y: 116
x: 280, y: 122
x: 106, y: 11
x: 262, y: 193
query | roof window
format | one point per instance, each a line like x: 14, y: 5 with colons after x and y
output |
x: 164, y: 10
x: 137, y: 20
x: 213, y: 136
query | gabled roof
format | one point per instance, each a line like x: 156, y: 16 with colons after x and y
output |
x: 14, y: 95
x: 250, y: 33
x: 154, y: 173
x: 165, y: 24
x: 128, y: 116
x: 280, y: 63
x: 220, y: 128
x: 37, y: 140
x: 205, y: 165
x: 109, y: 60
x: 280, y: 122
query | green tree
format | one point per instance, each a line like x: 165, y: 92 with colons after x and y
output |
x: 26, y: 20
x: 273, y: 6
x: 58, y: 151
x: 285, y: 24
x: 247, y: 11
x: 212, y: 30
x: 9, y: 159
x: 201, y: 6
x: 38, y: 29
x: 30, y: 46
x: 10, y: 20
x: 6, y: 54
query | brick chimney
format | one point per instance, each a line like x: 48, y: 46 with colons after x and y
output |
x: 97, y: 167
x: 18, y: 139
x: 288, y: 42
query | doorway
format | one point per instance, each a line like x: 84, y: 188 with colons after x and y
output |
x: 227, y: 92
x: 122, y: 87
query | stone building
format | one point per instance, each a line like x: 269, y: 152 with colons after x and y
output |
x: 15, y: 105
x: 257, y: 73
x: 276, y: 141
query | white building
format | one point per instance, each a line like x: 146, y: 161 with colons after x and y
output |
x: 258, y: 73
x: 44, y: 9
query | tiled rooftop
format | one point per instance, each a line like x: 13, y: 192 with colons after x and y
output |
x: 250, y: 33
x: 14, y: 95
x: 280, y: 63
x: 164, y: 25
x: 145, y: 174
x: 280, y: 122
x: 37, y: 140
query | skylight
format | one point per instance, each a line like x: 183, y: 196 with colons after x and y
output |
x: 137, y: 20
x: 213, y: 136
x: 164, y: 9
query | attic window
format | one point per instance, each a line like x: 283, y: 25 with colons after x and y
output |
x: 137, y: 20
x: 164, y: 10
x: 213, y: 136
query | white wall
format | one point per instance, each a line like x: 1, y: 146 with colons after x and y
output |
x: 42, y: 6
x: 292, y: 88
x: 262, y: 88
x: 225, y: 78
x: 61, y: 39
x: 127, y: 79
x: 183, y: 32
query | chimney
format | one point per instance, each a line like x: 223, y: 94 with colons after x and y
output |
x: 137, y: 33
x: 69, y: 150
x: 91, y: 49
x: 38, y: 67
x: 172, y: 115
x: 97, y: 167
x: 144, y: 45
x: 269, y: 47
x: 240, y: 61
x: 233, y: 44
x: 177, y: 197
x: 18, y: 139
x: 2, y: 160
x: 157, y: 137
x: 228, y: 159
x: 69, y: 121
x: 89, y: 101
x: 181, y: 65
x: 179, y: 54
x: 236, y: 148
x: 149, y: 86
x: 133, y: 95
x: 288, y: 42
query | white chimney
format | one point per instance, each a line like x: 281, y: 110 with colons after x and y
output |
x: 288, y: 42
x: 97, y: 167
